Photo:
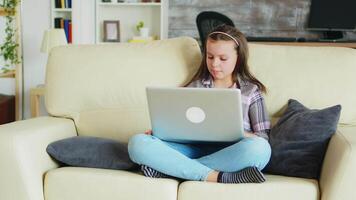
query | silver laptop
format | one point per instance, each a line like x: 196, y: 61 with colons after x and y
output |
x: 189, y: 115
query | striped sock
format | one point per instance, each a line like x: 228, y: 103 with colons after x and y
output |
x: 149, y: 172
x: 247, y: 175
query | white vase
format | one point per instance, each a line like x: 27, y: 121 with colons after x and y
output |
x: 144, y: 32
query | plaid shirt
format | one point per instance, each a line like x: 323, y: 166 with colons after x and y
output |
x: 255, y: 115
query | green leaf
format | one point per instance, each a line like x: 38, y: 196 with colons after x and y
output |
x: 8, y: 50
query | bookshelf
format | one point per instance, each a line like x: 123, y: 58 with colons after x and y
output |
x: 16, y: 73
x: 153, y: 14
x: 10, y: 74
x: 61, y: 16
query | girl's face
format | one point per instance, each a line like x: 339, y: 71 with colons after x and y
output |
x: 221, y: 59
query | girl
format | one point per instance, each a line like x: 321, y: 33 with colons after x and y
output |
x: 224, y: 65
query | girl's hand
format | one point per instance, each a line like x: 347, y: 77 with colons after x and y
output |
x: 249, y: 134
x: 148, y: 132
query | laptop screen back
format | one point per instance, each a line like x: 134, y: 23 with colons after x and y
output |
x: 195, y: 114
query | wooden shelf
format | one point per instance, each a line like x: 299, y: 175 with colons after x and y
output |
x: 312, y: 44
x: 153, y: 14
x: 62, y: 10
x: 6, y: 12
x: 10, y: 74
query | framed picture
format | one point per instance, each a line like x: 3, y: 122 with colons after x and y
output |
x: 111, y: 31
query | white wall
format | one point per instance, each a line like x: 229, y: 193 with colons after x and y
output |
x: 35, y: 19
x: 83, y: 19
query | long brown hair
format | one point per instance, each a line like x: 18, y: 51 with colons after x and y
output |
x: 241, y: 67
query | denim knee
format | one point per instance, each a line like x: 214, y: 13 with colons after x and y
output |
x: 261, y: 150
x: 136, y: 147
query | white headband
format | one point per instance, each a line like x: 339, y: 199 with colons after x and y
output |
x: 216, y: 32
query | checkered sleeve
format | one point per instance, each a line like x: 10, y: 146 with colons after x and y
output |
x: 259, y: 119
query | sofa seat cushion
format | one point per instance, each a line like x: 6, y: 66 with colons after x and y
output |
x: 276, y: 188
x: 69, y: 183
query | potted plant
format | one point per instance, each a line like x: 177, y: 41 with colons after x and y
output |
x: 8, y: 50
x: 140, y: 27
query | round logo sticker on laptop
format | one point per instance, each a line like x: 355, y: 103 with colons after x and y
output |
x: 195, y: 115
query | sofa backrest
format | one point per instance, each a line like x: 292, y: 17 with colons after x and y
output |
x: 102, y: 87
x: 316, y: 76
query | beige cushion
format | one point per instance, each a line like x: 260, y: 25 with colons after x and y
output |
x: 275, y: 188
x: 102, y: 87
x: 70, y: 183
x: 318, y: 77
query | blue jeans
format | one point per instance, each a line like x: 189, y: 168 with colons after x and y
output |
x: 196, y: 161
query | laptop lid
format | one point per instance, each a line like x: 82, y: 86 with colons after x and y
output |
x: 195, y: 114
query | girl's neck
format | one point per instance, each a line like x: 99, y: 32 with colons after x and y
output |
x: 223, y: 83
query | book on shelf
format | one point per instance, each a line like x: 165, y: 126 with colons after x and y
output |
x: 65, y: 24
x: 62, y: 23
x: 66, y: 29
x: 57, y: 3
x: 63, y: 3
x: 57, y: 22
x: 70, y: 32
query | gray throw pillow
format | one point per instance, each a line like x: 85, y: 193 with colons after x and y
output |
x: 83, y: 151
x: 300, y: 138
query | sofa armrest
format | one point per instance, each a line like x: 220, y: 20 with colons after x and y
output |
x: 338, y: 173
x: 23, y: 157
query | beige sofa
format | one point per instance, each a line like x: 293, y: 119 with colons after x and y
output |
x: 99, y: 91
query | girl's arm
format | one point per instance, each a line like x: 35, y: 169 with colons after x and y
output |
x: 259, y: 119
x: 249, y: 134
